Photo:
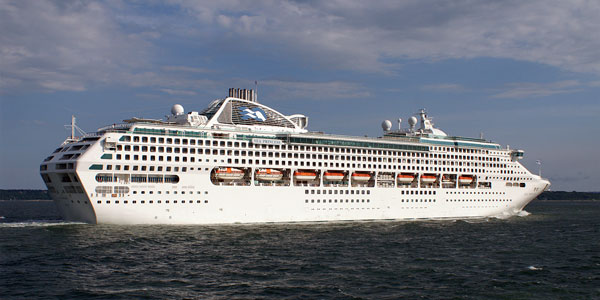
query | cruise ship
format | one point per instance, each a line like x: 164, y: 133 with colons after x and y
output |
x: 239, y: 161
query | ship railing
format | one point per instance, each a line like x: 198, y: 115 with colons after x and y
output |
x: 118, y: 127
x: 354, y: 138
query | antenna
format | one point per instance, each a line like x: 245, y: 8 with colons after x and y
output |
x: 255, y: 93
x: 74, y: 127
x: 539, y: 163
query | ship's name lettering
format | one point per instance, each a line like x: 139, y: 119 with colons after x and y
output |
x: 266, y: 141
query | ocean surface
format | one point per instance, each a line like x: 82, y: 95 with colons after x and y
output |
x: 551, y: 253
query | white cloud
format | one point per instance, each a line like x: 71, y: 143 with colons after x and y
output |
x: 532, y: 90
x: 63, y: 46
x: 314, y: 90
x: 444, y: 87
x: 368, y: 36
x: 74, y: 45
x: 186, y: 69
x: 178, y: 92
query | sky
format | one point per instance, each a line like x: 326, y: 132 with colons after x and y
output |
x: 522, y: 73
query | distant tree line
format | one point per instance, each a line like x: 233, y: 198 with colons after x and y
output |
x: 24, y: 195
x: 561, y: 195
x: 43, y: 195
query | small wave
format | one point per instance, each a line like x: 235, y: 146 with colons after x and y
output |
x: 507, y: 215
x: 37, y: 223
x: 503, y: 216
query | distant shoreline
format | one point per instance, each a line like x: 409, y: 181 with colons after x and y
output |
x: 42, y: 195
x: 28, y: 200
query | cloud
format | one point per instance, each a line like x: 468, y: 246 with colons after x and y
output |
x: 371, y: 36
x: 444, y: 87
x: 63, y: 46
x: 186, y: 69
x: 314, y: 90
x: 532, y: 90
x: 178, y: 92
x: 71, y: 46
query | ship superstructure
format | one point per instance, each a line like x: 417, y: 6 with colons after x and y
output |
x: 239, y: 161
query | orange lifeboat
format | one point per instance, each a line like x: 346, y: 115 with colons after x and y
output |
x: 406, y: 178
x: 465, y: 180
x: 305, y: 175
x: 229, y: 173
x: 333, y: 176
x: 361, y: 176
x: 268, y: 174
x: 428, y: 178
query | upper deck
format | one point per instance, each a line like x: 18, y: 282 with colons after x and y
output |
x: 241, y: 117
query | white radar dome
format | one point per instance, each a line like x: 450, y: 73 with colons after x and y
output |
x: 386, y: 125
x: 412, y: 121
x: 177, y: 109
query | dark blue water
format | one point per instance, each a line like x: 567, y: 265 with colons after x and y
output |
x: 553, y: 253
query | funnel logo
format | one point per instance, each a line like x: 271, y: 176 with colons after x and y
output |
x: 256, y: 114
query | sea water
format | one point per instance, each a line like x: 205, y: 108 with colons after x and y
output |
x: 552, y: 252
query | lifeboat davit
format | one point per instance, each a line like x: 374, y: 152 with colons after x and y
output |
x: 428, y: 178
x: 465, y: 180
x: 268, y: 174
x: 406, y: 178
x: 333, y: 176
x: 361, y: 176
x: 229, y: 173
x: 305, y: 175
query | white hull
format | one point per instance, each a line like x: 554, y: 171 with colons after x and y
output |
x: 226, y: 204
x: 257, y: 204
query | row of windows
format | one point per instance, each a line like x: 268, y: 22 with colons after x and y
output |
x: 336, y: 201
x: 478, y: 200
x: 418, y: 200
x: 151, y: 201
x: 136, y: 178
x: 140, y: 168
x: 413, y: 192
x: 78, y: 147
x: 174, y: 192
x: 104, y: 190
x: 335, y: 192
x: 475, y: 193
x: 363, y: 200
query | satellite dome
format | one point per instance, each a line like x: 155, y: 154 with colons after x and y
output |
x: 386, y: 125
x: 412, y: 121
x: 177, y: 109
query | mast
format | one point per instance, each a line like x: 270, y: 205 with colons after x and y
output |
x: 72, y: 126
